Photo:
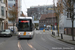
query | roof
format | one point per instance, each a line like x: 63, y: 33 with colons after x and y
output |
x: 49, y: 15
x: 41, y: 6
x: 24, y: 17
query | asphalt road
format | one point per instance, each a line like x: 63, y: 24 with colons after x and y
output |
x: 41, y: 41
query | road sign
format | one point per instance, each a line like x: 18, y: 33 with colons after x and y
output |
x: 44, y: 25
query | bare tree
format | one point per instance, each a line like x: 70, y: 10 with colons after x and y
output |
x: 69, y: 7
x: 13, y: 13
x: 58, y: 10
x: 23, y: 15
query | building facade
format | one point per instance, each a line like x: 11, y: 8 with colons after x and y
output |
x: 2, y: 14
x: 65, y: 19
x: 17, y: 4
x: 47, y: 20
x: 6, y: 20
x: 11, y: 3
x: 19, y: 7
x: 36, y: 11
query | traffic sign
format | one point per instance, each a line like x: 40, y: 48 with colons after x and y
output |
x: 44, y: 25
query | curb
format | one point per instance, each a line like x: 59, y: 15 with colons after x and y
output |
x: 53, y: 36
x: 66, y: 41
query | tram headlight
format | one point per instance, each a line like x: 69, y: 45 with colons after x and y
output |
x: 19, y: 33
x: 29, y: 33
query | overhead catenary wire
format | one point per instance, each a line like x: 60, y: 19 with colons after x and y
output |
x: 46, y: 2
x: 24, y: 6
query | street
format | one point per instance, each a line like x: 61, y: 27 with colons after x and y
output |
x: 41, y: 41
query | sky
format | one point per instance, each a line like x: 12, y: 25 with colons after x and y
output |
x: 28, y: 3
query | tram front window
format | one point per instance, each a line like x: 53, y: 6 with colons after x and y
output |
x: 24, y: 25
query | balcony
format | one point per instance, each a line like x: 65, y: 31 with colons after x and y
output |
x: 2, y: 18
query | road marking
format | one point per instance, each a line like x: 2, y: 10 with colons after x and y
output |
x: 36, y: 33
x: 19, y: 46
x: 42, y: 33
x: 31, y: 46
x: 42, y: 38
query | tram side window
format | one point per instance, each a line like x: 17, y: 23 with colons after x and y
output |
x: 33, y: 27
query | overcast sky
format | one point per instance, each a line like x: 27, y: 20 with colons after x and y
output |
x: 28, y: 3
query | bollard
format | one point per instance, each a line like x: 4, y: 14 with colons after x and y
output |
x: 61, y: 36
x: 43, y: 30
x: 52, y: 32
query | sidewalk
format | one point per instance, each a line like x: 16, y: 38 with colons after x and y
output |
x: 66, y: 38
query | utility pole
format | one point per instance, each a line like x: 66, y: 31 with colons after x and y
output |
x: 52, y: 18
x: 57, y: 18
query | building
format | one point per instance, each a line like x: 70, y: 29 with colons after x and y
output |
x: 65, y: 20
x: 19, y: 7
x: 6, y: 20
x: 17, y: 4
x: 2, y: 14
x: 11, y: 3
x: 47, y: 20
x: 36, y: 11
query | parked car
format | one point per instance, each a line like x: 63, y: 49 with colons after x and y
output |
x: 6, y: 32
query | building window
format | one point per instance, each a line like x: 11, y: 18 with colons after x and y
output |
x: 47, y: 21
x: 43, y: 21
x: 50, y: 21
x: 2, y: 1
x: 2, y: 11
x: 55, y: 20
x: 68, y: 15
